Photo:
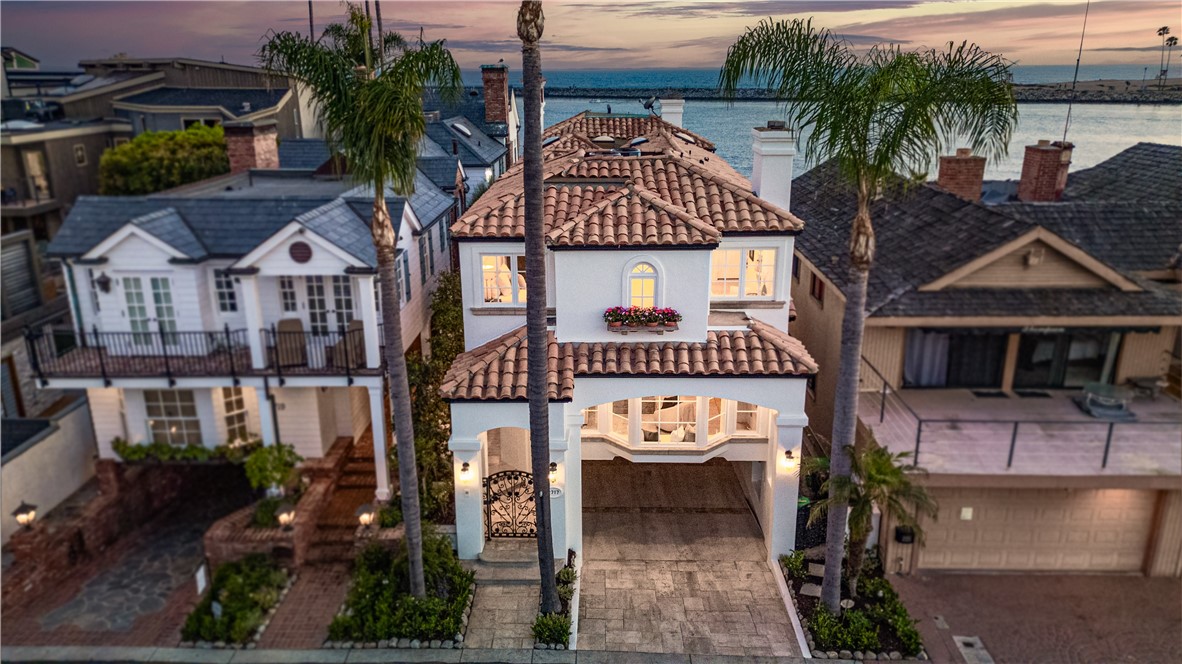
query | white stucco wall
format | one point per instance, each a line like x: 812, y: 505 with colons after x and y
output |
x: 50, y: 470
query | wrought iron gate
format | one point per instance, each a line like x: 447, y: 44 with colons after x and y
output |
x: 509, y: 508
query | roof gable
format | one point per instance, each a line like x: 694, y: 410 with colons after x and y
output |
x: 632, y: 217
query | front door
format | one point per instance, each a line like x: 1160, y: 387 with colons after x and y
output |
x: 509, y: 505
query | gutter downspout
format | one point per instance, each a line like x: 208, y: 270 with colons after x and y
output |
x: 274, y: 411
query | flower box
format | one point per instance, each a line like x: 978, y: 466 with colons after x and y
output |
x: 643, y: 329
x: 641, y: 319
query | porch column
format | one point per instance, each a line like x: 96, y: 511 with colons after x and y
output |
x: 367, y: 311
x: 572, y: 477
x: 783, y: 487
x: 253, y: 310
x: 377, y: 414
x: 469, y: 495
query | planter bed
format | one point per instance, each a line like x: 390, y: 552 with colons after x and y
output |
x: 877, y: 603
x: 248, y: 593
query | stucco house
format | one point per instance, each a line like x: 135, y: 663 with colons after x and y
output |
x: 639, y: 212
x: 986, y: 322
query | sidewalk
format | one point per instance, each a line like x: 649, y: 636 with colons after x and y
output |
x: 476, y: 656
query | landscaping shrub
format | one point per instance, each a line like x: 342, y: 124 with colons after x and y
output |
x: 795, y: 565
x: 389, y: 516
x: 379, y: 605
x: 158, y: 160
x: 245, y: 590
x: 854, y: 630
x: 272, y: 467
x: 552, y: 628
x: 163, y: 452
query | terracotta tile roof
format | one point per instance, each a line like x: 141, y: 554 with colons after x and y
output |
x: 496, y: 371
x: 624, y: 127
x: 631, y: 217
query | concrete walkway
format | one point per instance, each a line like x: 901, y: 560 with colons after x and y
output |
x: 477, y: 656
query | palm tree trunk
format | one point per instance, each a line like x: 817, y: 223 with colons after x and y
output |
x: 311, y: 25
x: 845, y: 403
x: 854, y: 565
x: 377, y: 11
x: 385, y: 240
x: 529, y: 28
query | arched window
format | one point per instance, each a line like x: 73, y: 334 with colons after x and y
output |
x: 642, y: 285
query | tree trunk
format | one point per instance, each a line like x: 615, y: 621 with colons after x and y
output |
x: 311, y: 25
x: 529, y: 28
x: 854, y: 565
x: 845, y: 403
x: 377, y: 11
x: 385, y: 241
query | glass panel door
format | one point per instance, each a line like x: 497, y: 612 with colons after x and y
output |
x: 976, y: 360
x: 137, y: 311
x: 317, y: 306
x: 165, y: 312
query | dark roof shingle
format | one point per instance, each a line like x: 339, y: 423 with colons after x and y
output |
x: 1150, y: 172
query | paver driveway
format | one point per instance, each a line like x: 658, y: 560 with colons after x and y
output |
x: 675, y: 562
x: 1051, y: 619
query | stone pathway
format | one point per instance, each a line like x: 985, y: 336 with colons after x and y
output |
x: 303, y: 617
x: 502, y: 616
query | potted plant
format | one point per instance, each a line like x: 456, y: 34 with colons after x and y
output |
x: 670, y: 317
x: 614, y: 316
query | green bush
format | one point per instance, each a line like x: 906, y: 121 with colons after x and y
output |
x: 894, y: 615
x: 265, y: 513
x: 389, y: 516
x: 246, y: 589
x: 158, y: 160
x: 794, y: 564
x: 165, y: 452
x: 272, y: 466
x: 854, y: 630
x: 379, y: 605
x: 552, y: 628
x: 567, y: 576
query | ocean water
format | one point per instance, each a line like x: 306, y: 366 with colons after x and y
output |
x: 1098, y: 130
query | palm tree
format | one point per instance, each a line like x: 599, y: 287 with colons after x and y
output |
x: 530, y: 23
x: 1170, y: 44
x: 1161, y: 67
x: 375, y: 118
x: 877, y: 478
x: 874, y: 114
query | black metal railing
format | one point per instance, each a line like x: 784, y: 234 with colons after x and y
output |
x: 66, y: 353
x: 314, y: 353
x: 898, y: 422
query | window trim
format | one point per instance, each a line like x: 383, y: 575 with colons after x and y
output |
x: 149, y: 419
x: 657, y: 277
x: 229, y: 303
x: 742, y: 294
x: 795, y: 267
x: 285, y: 291
x: 238, y: 400
x: 513, y: 283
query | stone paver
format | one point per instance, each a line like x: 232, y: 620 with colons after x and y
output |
x: 502, y: 616
x: 1049, y: 619
x: 683, y: 571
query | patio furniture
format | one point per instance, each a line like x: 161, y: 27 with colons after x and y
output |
x: 1106, y: 402
x: 1148, y: 386
x: 290, y: 343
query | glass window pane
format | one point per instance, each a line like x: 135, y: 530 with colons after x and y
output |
x: 724, y: 273
x: 521, y: 279
x: 760, y: 273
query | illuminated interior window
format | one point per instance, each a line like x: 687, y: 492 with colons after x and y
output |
x: 503, y: 279
x: 172, y: 417
x: 669, y: 419
x: 743, y: 273
x: 642, y: 286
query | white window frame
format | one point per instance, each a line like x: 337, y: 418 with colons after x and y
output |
x: 626, y: 427
x: 655, y: 277
x: 516, y: 259
x: 234, y: 405
x: 166, y: 420
x: 743, y: 254
x: 288, y: 299
x: 225, y: 290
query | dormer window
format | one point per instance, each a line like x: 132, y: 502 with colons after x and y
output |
x: 642, y: 285
x: 743, y: 274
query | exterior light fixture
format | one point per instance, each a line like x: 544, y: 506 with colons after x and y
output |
x: 789, y: 460
x: 103, y: 282
x: 365, y: 515
x: 285, y: 515
x: 465, y: 471
x: 25, y: 514
x: 553, y: 472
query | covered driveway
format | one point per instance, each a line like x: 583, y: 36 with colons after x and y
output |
x: 675, y: 562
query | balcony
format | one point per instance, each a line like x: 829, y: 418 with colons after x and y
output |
x: 26, y: 196
x: 957, y: 431
x: 290, y: 353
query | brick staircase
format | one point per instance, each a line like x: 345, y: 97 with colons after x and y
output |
x: 333, y: 541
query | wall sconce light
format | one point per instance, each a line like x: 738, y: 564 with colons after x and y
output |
x: 465, y: 471
x: 103, y: 282
x: 285, y: 515
x: 789, y: 460
x: 553, y: 472
x: 365, y: 515
x: 25, y: 514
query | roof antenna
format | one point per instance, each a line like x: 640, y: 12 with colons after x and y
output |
x: 1075, y: 78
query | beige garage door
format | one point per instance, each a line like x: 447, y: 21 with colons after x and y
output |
x: 1040, y: 529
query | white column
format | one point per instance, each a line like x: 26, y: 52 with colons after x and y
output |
x: 572, y: 476
x: 773, y: 149
x: 266, y: 421
x: 368, y: 312
x: 672, y: 111
x: 252, y: 308
x: 782, y: 488
x: 469, y: 496
x: 377, y: 422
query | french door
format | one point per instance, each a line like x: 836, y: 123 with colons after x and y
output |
x: 151, y: 314
x: 330, y: 304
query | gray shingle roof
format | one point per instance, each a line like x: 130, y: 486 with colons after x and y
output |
x: 470, y: 105
x: 231, y: 99
x: 169, y: 227
x: 346, y: 224
x: 479, y: 149
x: 428, y: 202
x: 303, y: 153
x: 226, y: 227
x: 1144, y: 172
x: 440, y: 170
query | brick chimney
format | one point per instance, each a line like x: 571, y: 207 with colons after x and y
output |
x: 252, y: 145
x: 496, y: 92
x: 1044, y: 171
x: 962, y: 174
x: 773, y: 149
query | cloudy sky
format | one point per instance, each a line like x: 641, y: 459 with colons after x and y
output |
x: 586, y: 34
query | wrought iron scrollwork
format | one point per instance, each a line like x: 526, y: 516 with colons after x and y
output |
x: 509, y: 505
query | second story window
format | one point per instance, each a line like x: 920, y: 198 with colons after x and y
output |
x: 642, y: 286
x: 796, y: 268
x: 504, y: 279
x: 424, y: 249
x: 817, y: 288
x: 287, y: 294
x: 235, y: 407
x: 223, y: 285
x: 743, y: 274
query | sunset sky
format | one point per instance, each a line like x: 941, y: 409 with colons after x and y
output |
x: 584, y: 34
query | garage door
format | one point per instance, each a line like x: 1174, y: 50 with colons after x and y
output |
x: 1050, y: 530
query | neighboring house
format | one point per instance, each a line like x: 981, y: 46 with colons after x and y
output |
x: 638, y: 212
x: 32, y: 297
x: 239, y: 306
x: 482, y: 158
x: 491, y: 108
x: 17, y: 60
x: 173, y: 109
x: 984, y: 322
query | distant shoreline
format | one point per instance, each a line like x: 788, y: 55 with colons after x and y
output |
x: 1087, y: 92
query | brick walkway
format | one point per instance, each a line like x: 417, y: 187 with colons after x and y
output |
x: 303, y: 617
x: 1082, y: 619
x: 503, y: 616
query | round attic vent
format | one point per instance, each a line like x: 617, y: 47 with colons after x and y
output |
x: 300, y: 252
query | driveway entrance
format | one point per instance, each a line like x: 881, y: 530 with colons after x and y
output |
x: 675, y: 562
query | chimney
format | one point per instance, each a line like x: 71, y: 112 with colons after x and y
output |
x: 962, y: 174
x: 773, y: 149
x: 1044, y: 171
x: 672, y: 108
x: 252, y: 145
x: 496, y: 92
